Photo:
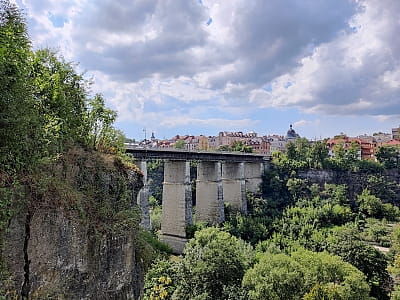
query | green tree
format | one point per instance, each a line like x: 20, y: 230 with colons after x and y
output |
x: 302, y: 149
x: 389, y: 156
x: 323, y: 292
x: 346, y: 243
x: 345, y: 158
x: 326, y: 270
x: 160, y: 281
x: 60, y: 97
x: 275, y: 277
x: 99, y: 121
x: 240, y: 146
x: 396, y: 293
x: 384, y: 189
x: 213, y: 265
x: 18, y: 118
x: 338, y: 160
x: 179, y: 144
x: 236, y: 146
x: 302, y: 154
x: 155, y: 173
x: 336, y: 193
x: 352, y: 154
x: 298, y: 188
x: 302, y: 275
x: 369, y: 205
x: 319, y: 153
x: 291, y: 152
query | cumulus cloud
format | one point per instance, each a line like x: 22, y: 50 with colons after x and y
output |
x: 247, y: 42
x: 140, y: 39
x: 301, y: 123
x: 222, y: 124
x: 333, y: 56
x: 356, y: 73
x: 50, y: 23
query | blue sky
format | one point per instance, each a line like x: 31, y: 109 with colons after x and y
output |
x: 200, y: 67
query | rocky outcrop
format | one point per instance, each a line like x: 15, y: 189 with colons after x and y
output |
x: 77, y: 236
x: 355, y: 181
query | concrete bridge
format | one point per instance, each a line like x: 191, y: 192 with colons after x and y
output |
x: 221, y: 177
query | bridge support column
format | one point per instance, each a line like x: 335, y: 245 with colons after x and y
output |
x: 253, y: 172
x: 209, y: 200
x: 176, y: 204
x: 233, y: 183
x: 143, y: 197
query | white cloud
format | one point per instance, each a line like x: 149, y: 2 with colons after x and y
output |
x: 301, y: 123
x: 222, y: 124
x: 356, y: 73
x: 394, y: 119
x: 334, y: 56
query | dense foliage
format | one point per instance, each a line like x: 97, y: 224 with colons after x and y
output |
x: 45, y: 104
x: 51, y: 133
x: 312, y: 239
x: 237, y: 146
x: 304, y: 275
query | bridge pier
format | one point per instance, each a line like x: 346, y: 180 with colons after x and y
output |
x: 143, y: 197
x: 215, y: 183
x: 176, y: 204
x: 209, y: 194
x: 253, y: 173
x: 233, y: 183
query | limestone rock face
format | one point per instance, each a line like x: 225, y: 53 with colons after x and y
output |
x: 68, y: 261
x: 80, y: 246
x: 355, y: 181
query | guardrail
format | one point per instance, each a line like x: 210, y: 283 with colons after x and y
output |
x: 183, y: 154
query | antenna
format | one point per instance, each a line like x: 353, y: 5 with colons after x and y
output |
x: 144, y: 130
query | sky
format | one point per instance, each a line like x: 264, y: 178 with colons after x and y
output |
x: 204, y: 66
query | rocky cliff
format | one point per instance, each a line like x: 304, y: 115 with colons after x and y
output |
x: 76, y: 234
x: 355, y: 181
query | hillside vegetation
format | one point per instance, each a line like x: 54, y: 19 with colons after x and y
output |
x: 69, y: 223
x: 304, y: 237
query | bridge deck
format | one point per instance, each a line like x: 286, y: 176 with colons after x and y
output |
x: 178, y: 154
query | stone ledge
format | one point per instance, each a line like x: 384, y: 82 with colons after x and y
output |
x: 175, y: 242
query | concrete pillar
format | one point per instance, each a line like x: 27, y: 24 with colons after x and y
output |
x: 209, y: 198
x: 252, y: 173
x: 176, y: 204
x: 143, y: 197
x: 233, y: 183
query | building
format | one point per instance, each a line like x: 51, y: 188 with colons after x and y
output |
x: 396, y: 133
x: 291, y: 134
x: 191, y: 142
x: 226, y: 138
x: 381, y: 138
x: 203, y: 143
x: 260, y: 145
x: 392, y: 143
x: 365, y: 148
x: 277, y: 143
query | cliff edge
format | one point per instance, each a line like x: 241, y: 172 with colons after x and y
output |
x: 74, y: 231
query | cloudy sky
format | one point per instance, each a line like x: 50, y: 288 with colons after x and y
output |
x: 204, y: 66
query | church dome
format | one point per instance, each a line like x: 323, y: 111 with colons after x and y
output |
x: 291, y: 133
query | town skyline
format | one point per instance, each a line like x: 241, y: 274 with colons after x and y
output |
x: 268, y: 144
x: 146, y: 133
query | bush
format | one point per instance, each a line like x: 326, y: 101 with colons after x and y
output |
x: 213, y: 266
x: 160, y: 281
x: 304, y: 275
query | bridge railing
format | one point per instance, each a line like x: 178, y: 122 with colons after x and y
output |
x: 185, y: 154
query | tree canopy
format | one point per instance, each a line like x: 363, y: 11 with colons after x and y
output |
x: 45, y: 104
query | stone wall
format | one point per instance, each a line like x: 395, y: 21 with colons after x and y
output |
x: 354, y: 180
